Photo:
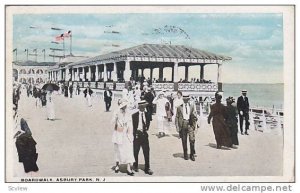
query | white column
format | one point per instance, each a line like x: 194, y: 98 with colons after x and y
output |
x: 90, y: 74
x: 127, y: 72
x: 114, y: 73
x: 51, y: 75
x: 77, y: 74
x: 96, y: 73
x: 73, y: 74
x: 83, y: 72
x: 219, y: 79
x: 175, y: 78
x: 105, y: 72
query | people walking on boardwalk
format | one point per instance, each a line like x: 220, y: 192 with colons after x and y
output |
x: 88, y: 94
x: 123, y: 137
x: 71, y: 90
x: 243, y: 108
x: 185, y: 121
x: 221, y: 131
x: 161, y: 114
x: 50, y: 106
x: 107, y: 98
x: 231, y: 120
x: 26, y: 148
x: 140, y: 134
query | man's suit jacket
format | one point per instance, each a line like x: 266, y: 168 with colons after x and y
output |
x: 179, y: 117
x: 135, y: 122
x: 106, y: 97
x: 243, y: 105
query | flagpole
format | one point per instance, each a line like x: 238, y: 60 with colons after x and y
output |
x: 26, y: 50
x: 35, y: 55
x: 44, y: 55
x: 70, y: 44
x: 64, y: 46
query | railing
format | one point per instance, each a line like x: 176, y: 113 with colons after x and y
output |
x: 209, y: 87
x: 100, y: 85
x: 163, y: 86
x: 120, y: 86
x: 93, y: 84
x: 85, y: 84
x: 110, y: 85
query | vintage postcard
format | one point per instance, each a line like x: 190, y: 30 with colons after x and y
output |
x: 150, y: 93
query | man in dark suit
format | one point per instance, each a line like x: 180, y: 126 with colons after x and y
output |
x: 149, y: 97
x: 140, y: 136
x: 243, y: 108
x: 107, y: 98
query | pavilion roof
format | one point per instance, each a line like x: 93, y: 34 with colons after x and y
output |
x: 158, y: 51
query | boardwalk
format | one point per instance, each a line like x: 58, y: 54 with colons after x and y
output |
x: 78, y: 144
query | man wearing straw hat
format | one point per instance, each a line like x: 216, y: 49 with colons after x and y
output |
x: 140, y: 136
x: 243, y: 108
x: 185, y: 121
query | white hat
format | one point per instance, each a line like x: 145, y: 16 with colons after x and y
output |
x: 244, y: 91
x: 122, y: 103
x: 142, y: 102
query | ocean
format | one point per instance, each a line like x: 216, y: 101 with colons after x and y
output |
x: 262, y: 95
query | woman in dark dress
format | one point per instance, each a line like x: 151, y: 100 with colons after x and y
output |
x: 26, y: 148
x: 66, y: 89
x: 231, y: 120
x: 221, y: 131
x: 43, y: 97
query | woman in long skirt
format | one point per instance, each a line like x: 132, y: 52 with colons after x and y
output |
x: 161, y: 114
x: 50, y: 106
x: 231, y: 120
x: 87, y: 94
x: 123, y: 137
x: 26, y: 148
x: 221, y: 131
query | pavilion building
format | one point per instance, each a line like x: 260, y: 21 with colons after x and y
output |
x: 115, y: 69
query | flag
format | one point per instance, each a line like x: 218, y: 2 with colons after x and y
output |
x: 67, y: 34
x: 26, y: 50
x: 14, y: 50
x: 59, y: 38
x: 34, y: 50
x: 43, y: 50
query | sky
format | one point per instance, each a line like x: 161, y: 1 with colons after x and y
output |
x: 254, y: 41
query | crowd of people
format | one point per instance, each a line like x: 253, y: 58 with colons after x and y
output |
x: 137, y: 108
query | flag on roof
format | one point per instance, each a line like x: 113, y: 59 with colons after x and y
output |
x: 14, y: 50
x: 60, y: 37
x: 67, y: 34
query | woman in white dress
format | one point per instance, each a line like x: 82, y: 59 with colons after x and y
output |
x: 88, y: 94
x: 50, y: 106
x: 123, y: 137
x: 161, y: 114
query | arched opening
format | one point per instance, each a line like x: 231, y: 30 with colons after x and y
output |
x: 31, y: 80
x: 22, y: 71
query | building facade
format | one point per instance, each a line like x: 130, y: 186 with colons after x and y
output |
x: 31, y: 72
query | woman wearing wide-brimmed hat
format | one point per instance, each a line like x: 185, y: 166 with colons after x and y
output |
x: 161, y: 113
x: 123, y: 137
